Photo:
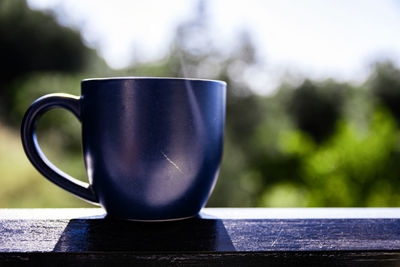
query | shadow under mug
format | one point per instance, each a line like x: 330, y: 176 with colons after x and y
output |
x: 152, y: 146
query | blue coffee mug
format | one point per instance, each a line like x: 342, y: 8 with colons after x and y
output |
x: 152, y: 146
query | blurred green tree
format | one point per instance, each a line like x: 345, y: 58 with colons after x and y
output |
x: 316, y: 108
x: 31, y: 41
x: 385, y: 84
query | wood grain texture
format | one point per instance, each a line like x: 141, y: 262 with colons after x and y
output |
x: 86, y: 238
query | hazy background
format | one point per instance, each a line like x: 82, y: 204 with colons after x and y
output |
x: 313, y: 105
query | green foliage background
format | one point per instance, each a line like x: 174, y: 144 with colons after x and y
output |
x: 312, y: 143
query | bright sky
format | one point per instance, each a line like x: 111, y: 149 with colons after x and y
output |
x: 313, y: 38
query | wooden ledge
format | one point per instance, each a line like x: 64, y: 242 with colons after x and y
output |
x: 255, y: 236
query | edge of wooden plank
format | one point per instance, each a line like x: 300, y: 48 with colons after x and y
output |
x: 214, y: 213
x: 301, y: 213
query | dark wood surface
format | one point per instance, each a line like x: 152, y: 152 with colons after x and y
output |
x: 237, y: 237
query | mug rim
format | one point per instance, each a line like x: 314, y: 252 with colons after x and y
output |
x: 151, y: 78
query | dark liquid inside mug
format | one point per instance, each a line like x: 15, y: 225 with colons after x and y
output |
x: 152, y: 146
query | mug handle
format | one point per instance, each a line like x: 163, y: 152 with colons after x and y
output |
x: 35, y: 154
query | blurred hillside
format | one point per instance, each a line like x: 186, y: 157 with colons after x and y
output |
x: 312, y: 143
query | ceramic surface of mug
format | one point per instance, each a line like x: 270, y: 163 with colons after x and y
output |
x: 152, y: 146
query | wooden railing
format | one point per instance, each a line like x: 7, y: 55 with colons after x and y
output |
x: 229, y: 237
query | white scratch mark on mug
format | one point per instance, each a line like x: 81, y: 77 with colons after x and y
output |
x: 173, y: 163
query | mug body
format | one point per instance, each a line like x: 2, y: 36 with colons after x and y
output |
x: 152, y: 146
